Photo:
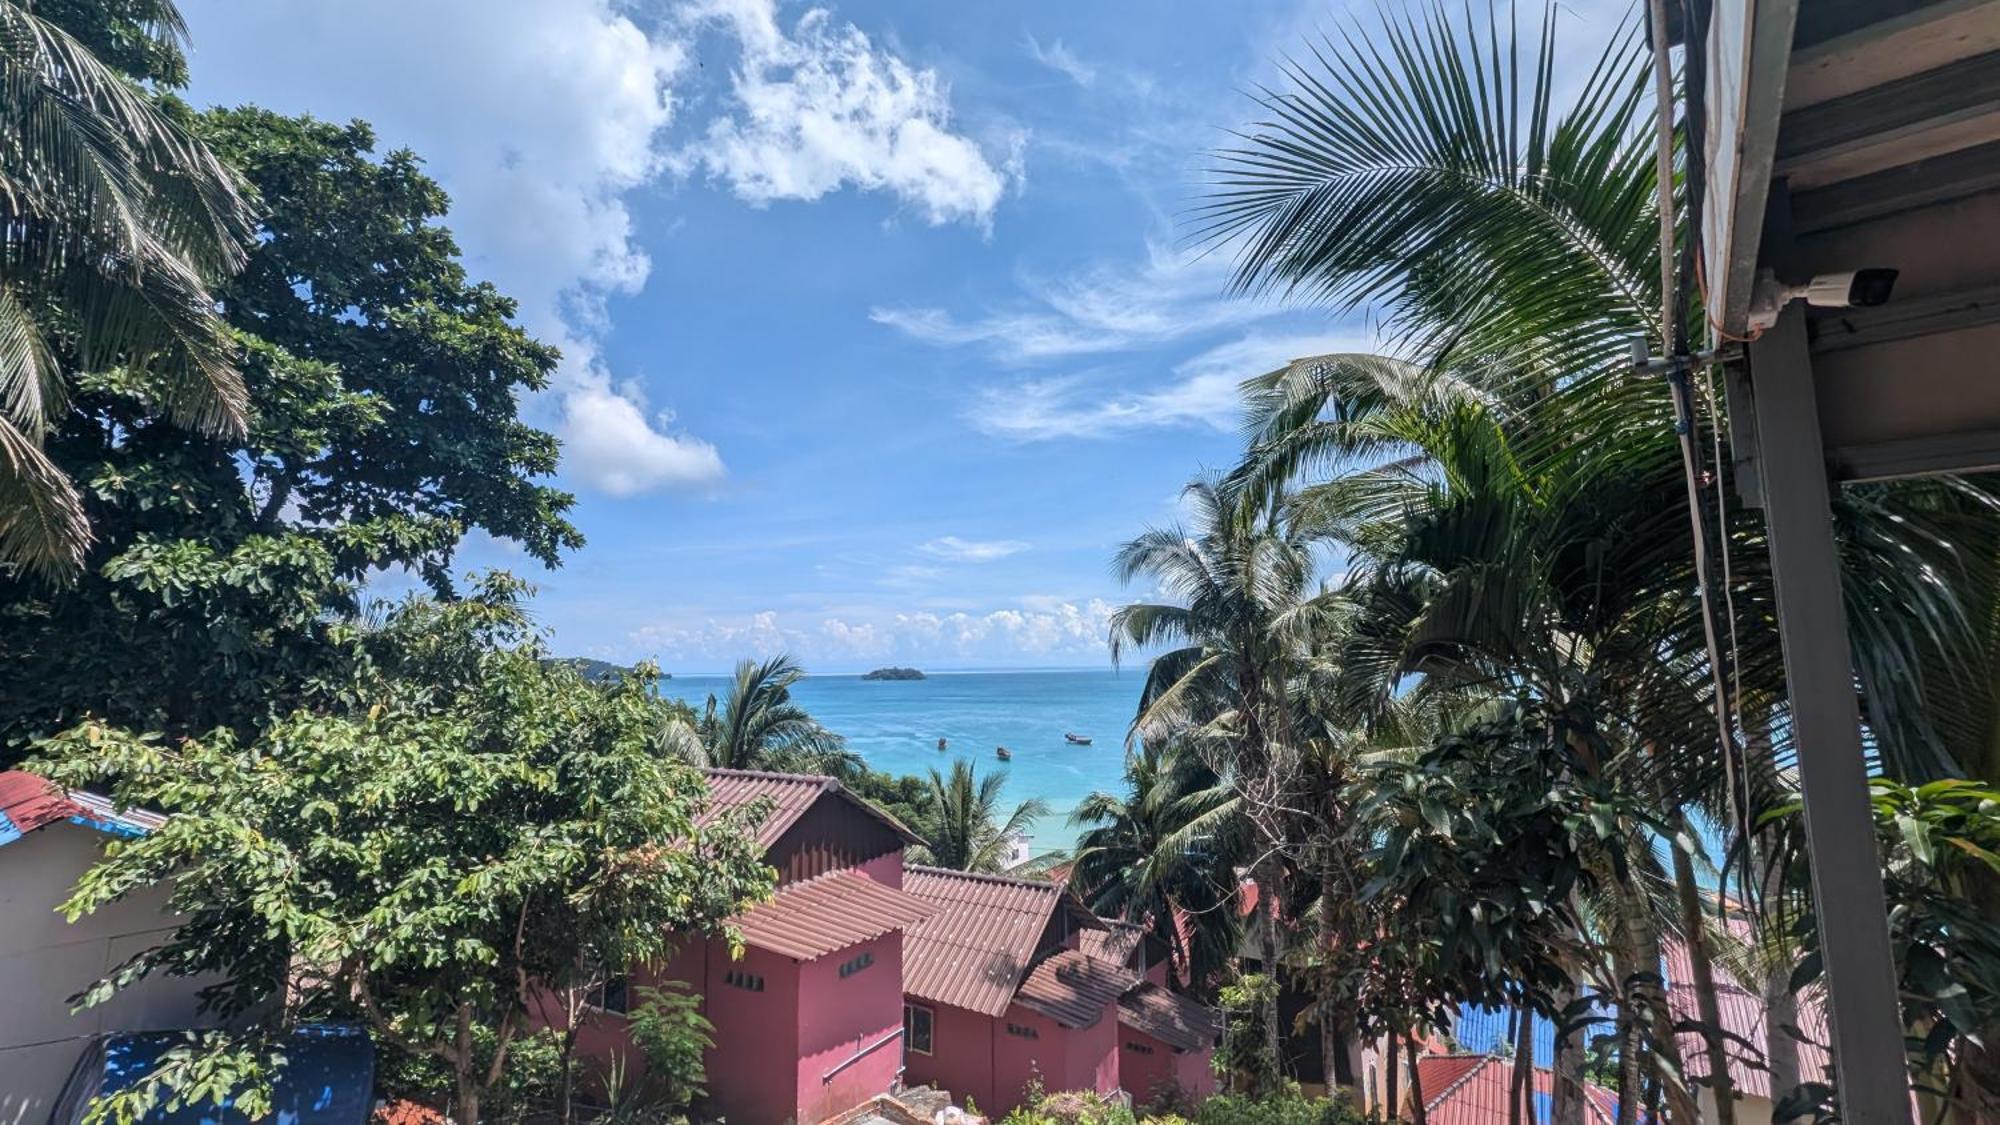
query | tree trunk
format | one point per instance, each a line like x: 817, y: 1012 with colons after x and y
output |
x: 1781, y: 1051
x: 1391, y: 1089
x: 1522, y: 1089
x: 1267, y: 894
x: 1417, y: 1112
x: 1566, y: 1090
x: 1329, y: 1044
x: 1708, y: 1006
x: 465, y: 1071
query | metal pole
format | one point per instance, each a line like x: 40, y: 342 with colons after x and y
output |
x: 1867, y: 1023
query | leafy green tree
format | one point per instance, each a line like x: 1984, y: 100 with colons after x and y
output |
x: 965, y: 830
x: 757, y: 726
x: 384, y: 395
x: 668, y: 1028
x: 117, y: 222
x: 470, y: 828
x: 1165, y: 854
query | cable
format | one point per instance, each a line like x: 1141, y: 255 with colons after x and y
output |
x: 1673, y: 334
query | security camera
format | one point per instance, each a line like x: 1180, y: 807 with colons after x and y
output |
x: 1863, y: 288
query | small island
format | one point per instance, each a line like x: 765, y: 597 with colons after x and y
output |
x: 894, y: 674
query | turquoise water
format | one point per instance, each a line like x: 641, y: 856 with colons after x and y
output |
x: 895, y: 725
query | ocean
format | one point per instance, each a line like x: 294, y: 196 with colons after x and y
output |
x: 895, y: 725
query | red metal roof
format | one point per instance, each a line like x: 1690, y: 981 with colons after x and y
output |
x: 1743, y: 1013
x: 1474, y: 1090
x: 28, y: 802
x: 832, y: 912
x: 1173, y: 1019
x: 1117, y: 942
x: 974, y: 952
x: 791, y: 794
x: 1073, y: 988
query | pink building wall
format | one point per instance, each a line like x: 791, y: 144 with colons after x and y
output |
x: 884, y: 869
x: 974, y: 1055
x: 839, y: 1017
x: 1143, y: 1072
x: 961, y: 1056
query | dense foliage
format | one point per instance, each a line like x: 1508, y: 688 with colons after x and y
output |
x: 473, y: 826
x: 382, y: 396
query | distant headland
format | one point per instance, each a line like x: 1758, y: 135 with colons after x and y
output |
x: 894, y: 674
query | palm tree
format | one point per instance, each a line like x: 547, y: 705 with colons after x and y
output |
x: 1242, y: 608
x: 116, y: 219
x: 1509, y: 239
x: 758, y: 727
x: 1164, y: 855
x: 964, y: 831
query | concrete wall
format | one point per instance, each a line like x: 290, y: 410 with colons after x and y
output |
x: 839, y: 1017
x: 885, y: 869
x: 961, y: 1058
x: 45, y: 960
x: 751, y: 1071
x: 1146, y: 1065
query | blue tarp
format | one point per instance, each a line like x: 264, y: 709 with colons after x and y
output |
x: 328, y: 1078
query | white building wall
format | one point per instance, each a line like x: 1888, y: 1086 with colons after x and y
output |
x: 45, y: 960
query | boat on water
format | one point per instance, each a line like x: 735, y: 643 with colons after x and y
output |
x: 1004, y: 754
x: 942, y: 744
x: 1076, y: 739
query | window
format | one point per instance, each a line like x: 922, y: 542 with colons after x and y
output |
x: 917, y: 1021
x: 748, y: 982
x: 1138, y: 1048
x: 612, y: 996
x: 1023, y: 1031
x: 855, y: 965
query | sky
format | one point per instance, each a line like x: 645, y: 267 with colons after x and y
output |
x: 881, y: 323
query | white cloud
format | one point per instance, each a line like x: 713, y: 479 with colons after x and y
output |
x: 953, y: 548
x: 821, y: 107
x: 538, y: 116
x: 1204, y: 392
x: 1161, y: 298
x: 1058, y: 57
x: 1073, y: 629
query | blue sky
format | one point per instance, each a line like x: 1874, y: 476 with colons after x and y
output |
x: 880, y: 329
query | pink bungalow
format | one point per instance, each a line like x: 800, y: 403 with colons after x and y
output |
x: 998, y: 996
x: 808, y: 1023
x: 1166, y: 1041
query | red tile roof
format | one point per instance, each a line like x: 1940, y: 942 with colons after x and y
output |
x: 974, y: 952
x: 832, y: 912
x: 1474, y: 1090
x: 1073, y: 988
x: 791, y: 794
x: 1743, y: 1013
x: 1171, y: 1018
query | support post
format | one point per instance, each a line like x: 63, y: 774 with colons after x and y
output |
x: 1866, y: 1020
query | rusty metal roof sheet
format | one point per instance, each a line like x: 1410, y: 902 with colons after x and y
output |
x: 1476, y: 1089
x: 1171, y: 1018
x: 28, y: 802
x: 975, y: 950
x: 791, y: 794
x: 1073, y: 988
x: 832, y: 912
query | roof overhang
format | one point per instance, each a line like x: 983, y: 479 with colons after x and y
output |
x: 1846, y: 134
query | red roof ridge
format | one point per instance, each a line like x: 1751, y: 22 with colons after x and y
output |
x: 818, y: 779
x: 821, y: 785
x: 984, y: 877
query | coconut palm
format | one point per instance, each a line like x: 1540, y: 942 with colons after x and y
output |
x: 757, y: 726
x: 1164, y: 854
x: 116, y: 219
x: 964, y: 830
x: 1240, y: 607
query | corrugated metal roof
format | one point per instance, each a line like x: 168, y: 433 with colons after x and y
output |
x: 832, y: 912
x: 1743, y: 1014
x: 28, y: 802
x: 1171, y: 1018
x: 1475, y: 1089
x: 1118, y: 942
x: 791, y: 794
x: 1073, y: 988
x: 975, y: 950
